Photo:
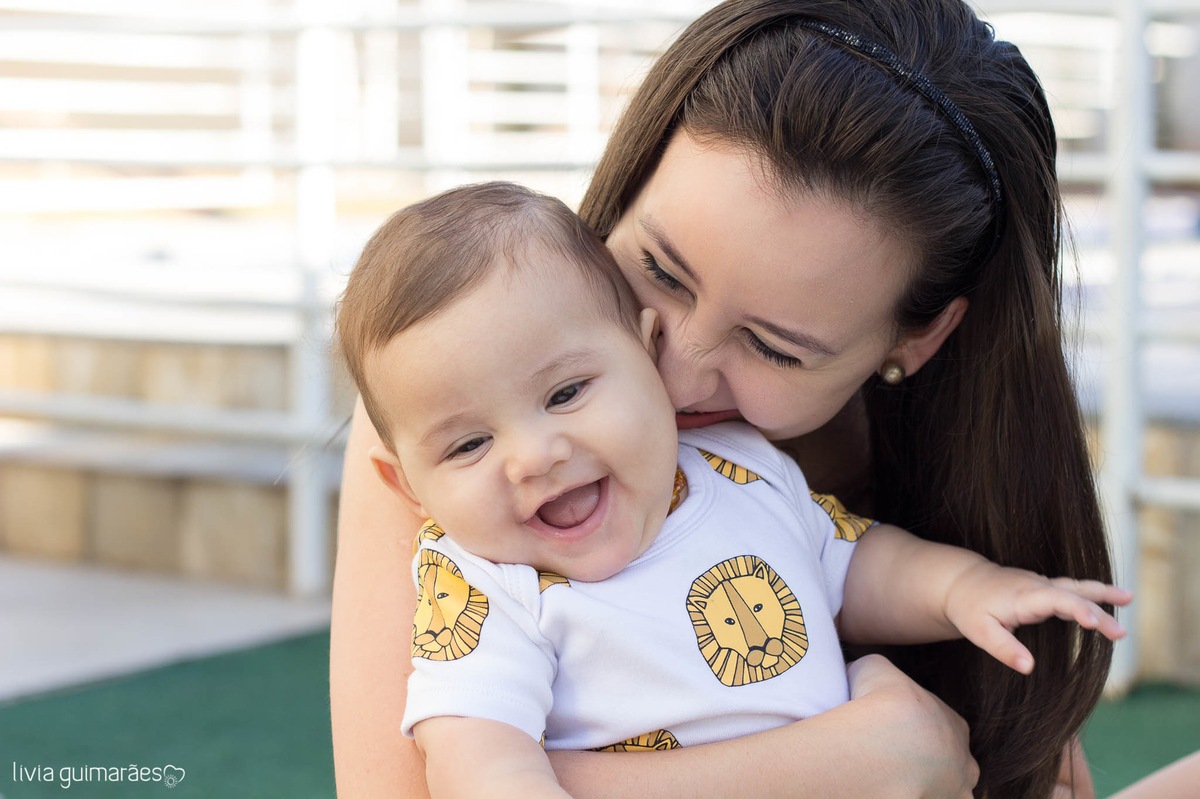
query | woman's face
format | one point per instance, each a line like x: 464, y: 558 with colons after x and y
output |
x: 775, y: 308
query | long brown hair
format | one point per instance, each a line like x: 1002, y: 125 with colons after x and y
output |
x: 984, y: 446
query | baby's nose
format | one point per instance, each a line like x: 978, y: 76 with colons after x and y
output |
x: 536, y: 456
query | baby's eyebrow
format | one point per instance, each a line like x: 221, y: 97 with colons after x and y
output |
x: 562, y: 362
x: 432, y: 437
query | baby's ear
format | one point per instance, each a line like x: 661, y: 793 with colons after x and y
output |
x: 648, y: 324
x: 388, y: 467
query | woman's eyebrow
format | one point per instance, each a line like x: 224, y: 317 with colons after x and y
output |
x: 664, y: 243
x: 799, y: 339
x: 660, y: 238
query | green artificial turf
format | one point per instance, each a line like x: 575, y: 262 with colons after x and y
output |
x: 256, y: 724
x: 248, y: 724
x: 1153, y: 726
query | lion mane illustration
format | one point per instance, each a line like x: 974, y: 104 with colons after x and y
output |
x: 429, y: 532
x: 548, y: 579
x: 657, y: 741
x: 849, y: 527
x: 738, y: 474
x: 450, y: 611
x: 747, y: 621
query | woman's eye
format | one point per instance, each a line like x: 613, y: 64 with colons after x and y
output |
x: 566, y: 394
x: 658, y: 274
x: 773, y: 355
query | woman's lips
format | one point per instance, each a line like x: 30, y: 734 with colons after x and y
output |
x: 687, y: 421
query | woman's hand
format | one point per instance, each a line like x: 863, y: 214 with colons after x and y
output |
x: 893, y: 740
x: 928, y: 741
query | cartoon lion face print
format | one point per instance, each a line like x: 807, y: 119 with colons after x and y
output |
x: 450, y: 611
x: 748, y: 623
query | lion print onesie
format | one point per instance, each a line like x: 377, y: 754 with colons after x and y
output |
x: 722, y: 628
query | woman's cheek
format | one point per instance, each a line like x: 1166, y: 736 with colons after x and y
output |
x: 779, y: 407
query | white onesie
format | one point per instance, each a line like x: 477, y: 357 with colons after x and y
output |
x: 723, y: 627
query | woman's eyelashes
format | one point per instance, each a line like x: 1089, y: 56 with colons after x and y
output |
x: 760, y: 347
x: 770, y: 354
x: 658, y: 274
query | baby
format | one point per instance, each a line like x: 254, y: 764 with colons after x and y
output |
x: 595, y: 579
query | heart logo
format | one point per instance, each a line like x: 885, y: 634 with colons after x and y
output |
x: 173, y: 775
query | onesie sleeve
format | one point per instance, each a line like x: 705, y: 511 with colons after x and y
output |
x: 476, y: 647
x: 832, y: 530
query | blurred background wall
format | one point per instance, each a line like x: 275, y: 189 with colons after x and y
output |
x: 184, y: 187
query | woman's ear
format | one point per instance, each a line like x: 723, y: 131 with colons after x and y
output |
x: 388, y: 467
x: 915, y: 349
x: 649, y: 325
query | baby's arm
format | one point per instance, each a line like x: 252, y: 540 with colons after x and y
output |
x: 468, y: 758
x: 901, y: 589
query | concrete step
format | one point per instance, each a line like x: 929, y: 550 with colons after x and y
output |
x: 68, y: 624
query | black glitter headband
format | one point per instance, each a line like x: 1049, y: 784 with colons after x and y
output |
x: 910, y: 76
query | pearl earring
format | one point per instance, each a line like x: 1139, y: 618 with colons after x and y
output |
x: 893, y: 374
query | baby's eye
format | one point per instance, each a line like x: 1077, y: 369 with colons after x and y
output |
x: 566, y: 394
x: 467, y: 447
x: 658, y: 274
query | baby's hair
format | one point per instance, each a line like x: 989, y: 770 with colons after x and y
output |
x: 433, y: 252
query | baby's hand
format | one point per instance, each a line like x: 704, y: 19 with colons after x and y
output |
x: 987, y: 602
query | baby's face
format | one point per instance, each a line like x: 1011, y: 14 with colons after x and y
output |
x: 531, y: 427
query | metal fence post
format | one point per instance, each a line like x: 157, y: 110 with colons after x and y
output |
x: 1122, y: 421
x: 316, y: 209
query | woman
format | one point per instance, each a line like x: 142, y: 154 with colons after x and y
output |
x: 848, y: 218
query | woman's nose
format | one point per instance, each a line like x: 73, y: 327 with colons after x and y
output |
x: 690, y: 370
x: 536, y: 454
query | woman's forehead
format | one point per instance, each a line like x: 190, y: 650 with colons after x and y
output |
x: 789, y: 257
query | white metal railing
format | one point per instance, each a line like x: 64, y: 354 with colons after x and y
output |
x: 318, y: 34
x: 315, y: 158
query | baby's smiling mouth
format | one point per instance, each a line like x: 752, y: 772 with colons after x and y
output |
x: 570, y: 508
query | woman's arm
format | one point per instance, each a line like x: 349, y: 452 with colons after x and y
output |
x: 369, y: 641
x: 1179, y: 780
x: 467, y: 757
x: 893, y: 738
x: 1074, y: 776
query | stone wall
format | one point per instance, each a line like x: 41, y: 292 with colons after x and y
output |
x: 1168, y: 590
x: 214, y: 511
x: 201, y: 509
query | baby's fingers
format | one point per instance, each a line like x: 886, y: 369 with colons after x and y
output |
x: 1094, y: 590
x: 1070, y: 606
x: 990, y: 635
